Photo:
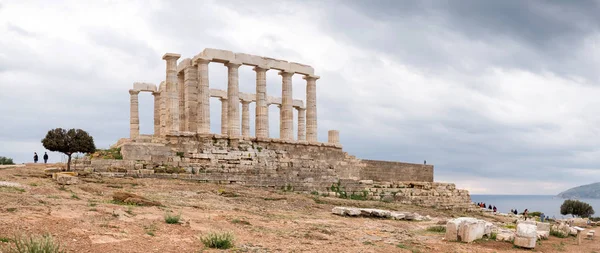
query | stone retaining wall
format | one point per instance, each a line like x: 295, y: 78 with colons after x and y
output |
x: 396, y: 171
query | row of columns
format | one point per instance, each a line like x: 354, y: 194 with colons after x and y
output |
x: 183, y: 104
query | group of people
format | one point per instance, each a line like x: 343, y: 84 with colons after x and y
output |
x: 35, y: 157
x: 490, y: 207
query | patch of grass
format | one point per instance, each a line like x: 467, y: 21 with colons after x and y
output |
x: 316, y: 193
x: 34, y: 184
x: 130, y: 210
x: 239, y: 221
x: 180, y: 154
x: 35, y: 244
x: 11, y: 189
x: 11, y: 209
x: 150, y: 230
x: 74, y: 196
x: 402, y: 246
x: 437, y: 229
x: 559, y: 247
x: 93, y: 210
x: 172, y: 219
x: 288, y: 188
x: 116, y: 215
x: 4, y: 239
x: 92, y: 204
x: 493, y: 236
x: 62, y: 188
x: 510, y: 226
x: 218, y: 241
x: 368, y: 243
x: 360, y: 196
x: 318, y: 200
x: 53, y: 197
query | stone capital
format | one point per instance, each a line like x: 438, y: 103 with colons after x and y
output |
x: 300, y: 109
x: 233, y: 64
x: 134, y: 92
x: 223, y: 99
x: 171, y: 56
x: 311, y: 77
x: 201, y: 60
x: 261, y: 68
x: 285, y: 73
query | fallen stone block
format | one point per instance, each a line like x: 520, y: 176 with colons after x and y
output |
x: 453, y: 228
x: 339, y: 211
x: 525, y: 242
x: 472, y: 230
x: 65, y: 179
x: 543, y: 235
x: 505, y: 236
x: 397, y: 216
x: 526, y: 230
x: 489, y: 229
x: 133, y: 199
x: 542, y: 226
x: 51, y: 171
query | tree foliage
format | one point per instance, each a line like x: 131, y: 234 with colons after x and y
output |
x: 6, y: 161
x: 576, y: 208
x: 69, y: 142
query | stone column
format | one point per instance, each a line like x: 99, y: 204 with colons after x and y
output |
x: 261, y: 121
x: 334, y: 136
x: 163, y: 109
x: 245, y: 118
x: 311, y: 108
x: 156, y: 95
x: 203, y: 96
x: 172, y: 93
x: 233, y: 91
x: 280, y: 122
x: 301, y: 124
x: 224, y: 116
x: 286, y: 132
x: 134, y: 114
x: 182, y: 102
x: 190, y: 96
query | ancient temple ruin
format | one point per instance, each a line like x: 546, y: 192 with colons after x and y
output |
x: 183, y: 147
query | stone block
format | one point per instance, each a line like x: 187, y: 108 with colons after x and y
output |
x: 138, y: 166
x: 65, y: 179
x: 144, y: 87
x: 50, y: 171
x: 505, y: 236
x: 543, y: 226
x: 527, y: 230
x: 472, y: 230
x: 543, y: 235
x: 218, y: 55
x: 525, y: 242
x: 453, y: 226
x: 301, y: 68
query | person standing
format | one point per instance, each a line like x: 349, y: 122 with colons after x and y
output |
x: 542, y: 217
x: 35, y: 157
x: 45, y: 157
x: 525, y: 213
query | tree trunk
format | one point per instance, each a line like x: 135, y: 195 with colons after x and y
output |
x: 69, y: 163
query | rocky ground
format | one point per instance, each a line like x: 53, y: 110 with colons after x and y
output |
x: 84, y: 218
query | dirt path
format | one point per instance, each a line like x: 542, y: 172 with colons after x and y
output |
x: 84, y: 219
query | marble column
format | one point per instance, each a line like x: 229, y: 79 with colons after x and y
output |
x: 156, y: 95
x: 333, y: 136
x: 224, y: 116
x: 233, y: 92
x: 181, y: 99
x: 245, y: 118
x: 280, y: 121
x: 203, y: 96
x: 163, y: 109
x: 301, y: 124
x: 172, y: 93
x: 286, y: 115
x: 191, y: 98
x: 134, y: 114
x: 261, y: 121
x: 311, y: 108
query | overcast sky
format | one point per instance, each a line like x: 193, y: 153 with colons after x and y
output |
x: 501, y: 96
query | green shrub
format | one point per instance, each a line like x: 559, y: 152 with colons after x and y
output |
x: 437, y: 229
x: 218, y: 241
x: 35, y: 244
x: 576, y: 208
x: 535, y: 214
x: 180, y: 154
x: 6, y: 161
x: 172, y: 219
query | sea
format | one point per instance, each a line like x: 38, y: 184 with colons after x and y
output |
x: 548, y: 204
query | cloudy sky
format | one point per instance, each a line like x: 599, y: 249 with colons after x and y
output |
x: 502, y: 96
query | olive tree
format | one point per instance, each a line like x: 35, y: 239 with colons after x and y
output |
x: 69, y: 142
x: 6, y: 161
x: 576, y: 208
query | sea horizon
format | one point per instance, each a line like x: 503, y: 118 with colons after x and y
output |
x: 548, y: 204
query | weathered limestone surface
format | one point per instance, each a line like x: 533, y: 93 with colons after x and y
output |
x: 203, y: 95
x: 333, y: 136
x: 385, y: 171
x: 465, y: 229
x: 224, y: 116
x: 156, y: 113
x: 301, y: 124
x: 377, y: 213
x: 311, y: 108
x: 245, y: 118
x: 286, y: 113
x: 261, y: 121
x: 172, y: 92
x: 526, y: 236
x: 134, y: 116
x: 191, y: 98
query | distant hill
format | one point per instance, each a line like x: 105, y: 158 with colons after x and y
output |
x: 588, y: 191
